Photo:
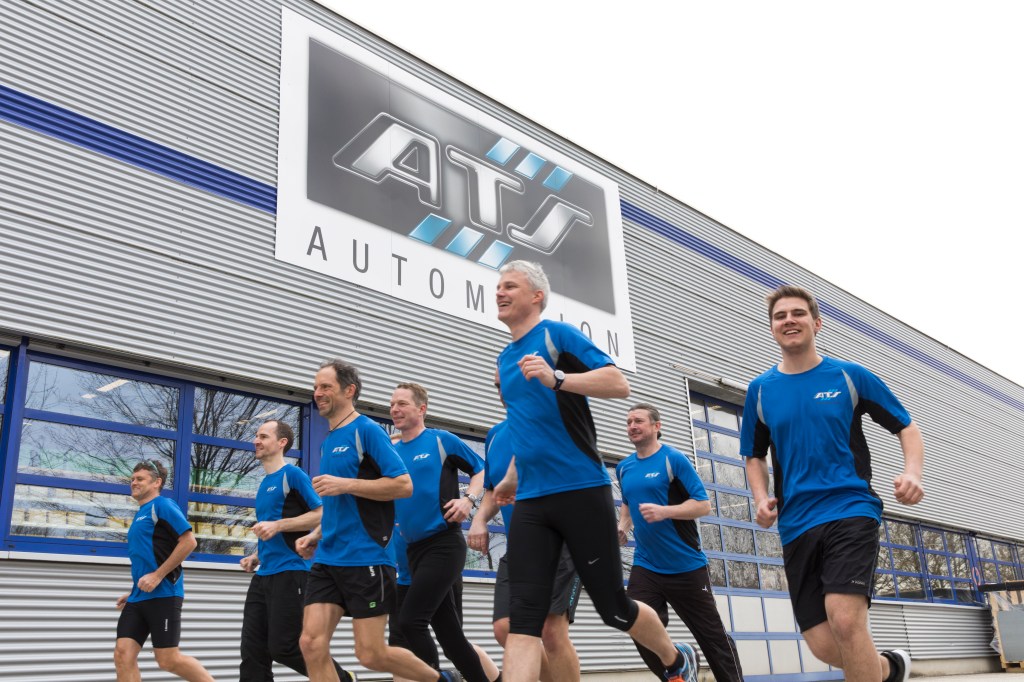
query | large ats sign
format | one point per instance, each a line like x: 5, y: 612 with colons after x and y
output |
x: 390, y: 183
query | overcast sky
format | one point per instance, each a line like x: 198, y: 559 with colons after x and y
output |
x: 877, y: 144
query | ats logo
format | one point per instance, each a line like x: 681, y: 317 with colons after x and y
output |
x: 389, y: 182
x: 827, y: 395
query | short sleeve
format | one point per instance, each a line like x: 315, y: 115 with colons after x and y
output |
x: 879, y: 401
x: 378, y: 446
x: 454, y: 446
x: 754, y: 433
x: 167, y: 511
x: 571, y: 340
x: 299, y: 481
x: 687, y: 475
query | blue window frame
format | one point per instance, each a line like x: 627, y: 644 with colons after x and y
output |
x: 918, y: 562
x: 742, y: 557
x: 78, y: 428
x: 998, y: 560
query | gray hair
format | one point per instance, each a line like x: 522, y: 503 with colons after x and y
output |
x: 534, y: 275
x: 347, y: 375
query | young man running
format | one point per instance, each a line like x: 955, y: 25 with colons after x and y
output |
x: 286, y: 509
x: 808, y: 411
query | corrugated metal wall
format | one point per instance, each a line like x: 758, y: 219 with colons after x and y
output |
x: 57, y: 624
x: 101, y: 254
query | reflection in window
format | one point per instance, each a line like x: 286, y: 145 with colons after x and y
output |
x: 906, y: 560
x: 1004, y: 552
x: 226, y: 471
x: 71, y: 514
x: 901, y: 533
x: 885, y: 586
x: 710, y: 539
x: 222, y: 528
x: 769, y: 544
x: 722, y: 415
x: 496, y: 548
x: 773, y: 577
x: 932, y: 539
x: 713, y: 499
x: 81, y: 453
x: 733, y: 506
x: 704, y: 470
x: 730, y: 475
x: 909, y: 587
x: 701, y: 440
x: 738, y: 540
x: 237, y: 417
x: 716, y: 567
x: 742, y: 574
x: 883, y: 563
x: 109, y: 397
x: 938, y: 564
x: 725, y: 445
x: 696, y: 408
x: 5, y: 363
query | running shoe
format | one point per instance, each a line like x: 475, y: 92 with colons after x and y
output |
x: 900, y: 662
x: 690, y: 668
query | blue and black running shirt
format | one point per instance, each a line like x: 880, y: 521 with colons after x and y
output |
x: 498, y: 448
x: 812, y: 423
x: 356, y: 530
x: 284, y: 494
x: 553, y: 432
x: 434, y: 459
x: 152, y: 538
x: 666, y: 478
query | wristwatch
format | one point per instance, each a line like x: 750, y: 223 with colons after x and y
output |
x: 559, y: 379
x: 475, y: 499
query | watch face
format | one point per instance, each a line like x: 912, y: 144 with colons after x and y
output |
x: 560, y: 375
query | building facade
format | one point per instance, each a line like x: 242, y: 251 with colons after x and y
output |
x: 199, y: 202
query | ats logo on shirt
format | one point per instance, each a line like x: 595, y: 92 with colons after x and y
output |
x: 827, y: 395
x: 340, y: 448
x: 421, y: 456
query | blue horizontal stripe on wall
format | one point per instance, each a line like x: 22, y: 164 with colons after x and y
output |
x: 49, y: 119
x: 713, y: 253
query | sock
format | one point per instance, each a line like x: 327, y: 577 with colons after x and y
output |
x: 677, y: 665
x: 893, y: 667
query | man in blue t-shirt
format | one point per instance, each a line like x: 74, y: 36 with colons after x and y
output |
x: 430, y: 522
x: 286, y: 507
x: 560, y: 485
x: 560, y: 662
x: 159, y: 539
x: 360, y: 477
x: 662, y: 492
x: 808, y: 411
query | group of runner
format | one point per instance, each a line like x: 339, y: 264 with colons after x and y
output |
x: 379, y: 503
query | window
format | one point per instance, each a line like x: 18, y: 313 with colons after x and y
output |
x: 920, y: 563
x: 999, y: 561
x: 84, y: 427
x: 224, y: 474
x: 741, y: 555
x: 5, y: 364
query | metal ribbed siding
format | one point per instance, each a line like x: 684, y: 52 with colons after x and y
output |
x: 58, y: 624
x: 932, y: 631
